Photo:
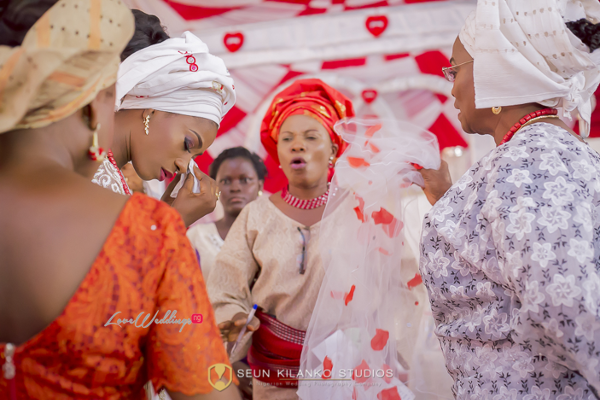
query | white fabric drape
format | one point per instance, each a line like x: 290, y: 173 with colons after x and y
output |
x: 524, y: 53
x: 179, y: 76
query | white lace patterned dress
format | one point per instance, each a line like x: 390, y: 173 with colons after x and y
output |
x: 511, y: 258
x: 206, y: 239
x: 109, y: 177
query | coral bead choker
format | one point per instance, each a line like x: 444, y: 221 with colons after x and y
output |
x: 528, y: 120
x: 304, y: 204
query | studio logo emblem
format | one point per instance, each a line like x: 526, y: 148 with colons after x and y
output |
x: 220, y: 376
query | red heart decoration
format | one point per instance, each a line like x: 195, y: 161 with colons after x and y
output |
x: 233, y: 41
x: 369, y: 96
x: 376, y: 24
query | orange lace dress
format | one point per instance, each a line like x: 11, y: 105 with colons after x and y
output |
x: 146, y: 265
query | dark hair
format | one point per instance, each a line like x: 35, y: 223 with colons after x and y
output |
x: 148, y: 31
x: 587, y: 32
x: 241, y: 152
x: 17, y: 18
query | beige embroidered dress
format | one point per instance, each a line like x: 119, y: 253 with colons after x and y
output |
x: 263, y: 240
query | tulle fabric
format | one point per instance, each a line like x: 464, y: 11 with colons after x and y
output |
x: 364, y: 328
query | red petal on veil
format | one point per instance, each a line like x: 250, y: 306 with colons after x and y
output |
x: 374, y: 148
x: 390, y: 225
x: 327, y: 366
x: 380, y: 339
x: 393, y: 230
x: 362, y: 367
x: 359, y: 214
x: 354, y: 393
x: 359, y: 210
x: 382, y: 217
x: 389, y: 394
x: 369, y: 134
x: 372, y: 129
x: 357, y: 162
x: 350, y: 295
x: 414, y: 282
x: 383, y: 251
x: 385, y: 369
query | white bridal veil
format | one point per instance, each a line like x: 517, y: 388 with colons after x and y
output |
x: 362, y: 336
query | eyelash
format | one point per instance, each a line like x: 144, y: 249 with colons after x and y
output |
x: 187, y: 145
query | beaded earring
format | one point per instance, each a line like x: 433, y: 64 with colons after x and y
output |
x: 146, y: 122
x: 95, y: 152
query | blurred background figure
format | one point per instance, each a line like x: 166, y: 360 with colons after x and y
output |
x: 240, y: 176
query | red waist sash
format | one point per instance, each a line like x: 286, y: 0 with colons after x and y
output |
x: 275, y: 352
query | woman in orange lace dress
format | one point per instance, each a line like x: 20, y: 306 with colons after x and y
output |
x: 80, y: 258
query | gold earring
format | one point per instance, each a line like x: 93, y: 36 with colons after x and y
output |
x: 146, y: 122
x: 260, y: 192
x: 94, y: 152
x: 496, y: 110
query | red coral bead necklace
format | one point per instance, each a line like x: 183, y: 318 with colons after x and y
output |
x: 111, y: 158
x: 528, y: 120
x: 304, y: 204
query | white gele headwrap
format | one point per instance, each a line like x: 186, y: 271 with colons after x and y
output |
x: 371, y: 304
x: 524, y: 53
x: 177, y: 76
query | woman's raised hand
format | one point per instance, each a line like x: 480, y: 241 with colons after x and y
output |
x: 437, y: 182
x: 193, y: 206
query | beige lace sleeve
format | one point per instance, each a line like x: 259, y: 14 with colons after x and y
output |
x: 234, y: 269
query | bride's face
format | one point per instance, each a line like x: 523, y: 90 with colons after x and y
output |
x: 172, y: 141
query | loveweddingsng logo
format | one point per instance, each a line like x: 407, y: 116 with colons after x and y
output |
x: 167, y: 319
x: 216, y: 374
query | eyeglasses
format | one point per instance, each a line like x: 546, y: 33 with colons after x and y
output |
x: 450, y: 72
x: 303, y: 259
